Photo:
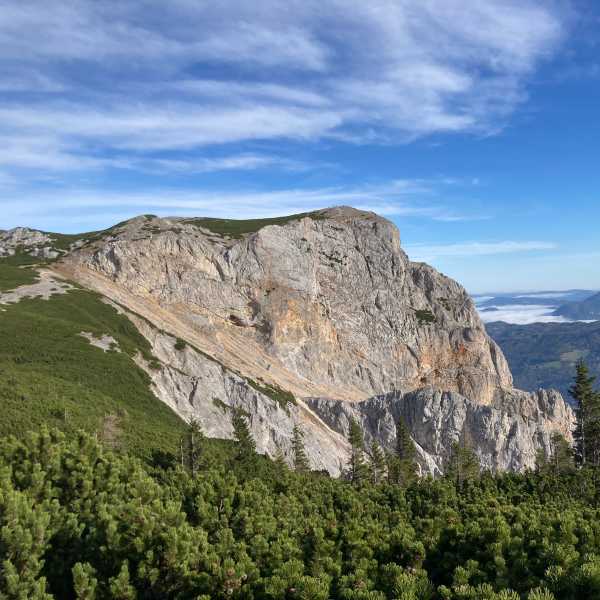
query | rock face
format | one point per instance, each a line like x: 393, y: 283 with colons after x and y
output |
x: 195, y: 386
x: 330, y: 298
x: 505, y: 435
x: 36, y: 243
x: 328, y: 306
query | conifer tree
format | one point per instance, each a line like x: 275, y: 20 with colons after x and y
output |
x: 402, y: 466
x: 541, y: 460
x: 246, y: 446
x: 84, y: 583
x: 301, y: 464
x: 463, y: 463
x: 281, y: 465
x: 192, y: 446
x: 120, y: 586
x: 561, y: 460
x: 357, y: 467
x: 587, y: 429
x: 378, y: 466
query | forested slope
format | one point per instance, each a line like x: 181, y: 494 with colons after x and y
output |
x: 79, y: 521
x: 544, y: 355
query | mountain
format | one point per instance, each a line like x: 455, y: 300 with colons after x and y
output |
x: 540, y: 298
x: 586, y: 310
x: 310, y: 319
x: 545, y: 354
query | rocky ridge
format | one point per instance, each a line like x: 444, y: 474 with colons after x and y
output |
x: 327, y: 307
x: 35, y: 243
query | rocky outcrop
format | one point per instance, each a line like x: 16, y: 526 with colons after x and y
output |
x: 329, y: 299
x: 327, y: 306
x: 506, y: 435
x: 35, y: 243
x: 197, y: 387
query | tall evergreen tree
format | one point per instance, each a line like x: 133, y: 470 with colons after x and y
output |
x: 192, y: 447
x: 246, y: 446
x: 561, y: 460
x: 281, y: 465
x: 587, y: 411
x: 301, y: 463
x: 402, y: 466
x: 377, y: 463
x: 463, y: 463
x: 357, y: 467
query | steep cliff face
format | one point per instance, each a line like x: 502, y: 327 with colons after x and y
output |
x: 328, y: 306
x: 330, y: 298
x: 197, y: 387
x: 505, y: 435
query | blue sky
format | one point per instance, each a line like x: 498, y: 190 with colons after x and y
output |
x: 473, y: 125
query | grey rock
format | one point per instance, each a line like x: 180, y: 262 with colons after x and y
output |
x: 505, y: 436
x: 324, y: 306
x: 33, y: 242
x: 197, y: 387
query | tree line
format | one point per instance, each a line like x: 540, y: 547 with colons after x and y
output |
x: 80, y: 518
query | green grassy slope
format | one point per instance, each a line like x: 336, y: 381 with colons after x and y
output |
x: 50, y: 374
x: 17, y: 270
x: 237, y: 228
x: 12, y: 276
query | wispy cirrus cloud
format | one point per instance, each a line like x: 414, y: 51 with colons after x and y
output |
x: 98, y: 79
x: 428, y: 253
x: 404, y: 198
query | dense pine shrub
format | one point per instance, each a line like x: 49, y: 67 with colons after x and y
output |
x: 78, y: 520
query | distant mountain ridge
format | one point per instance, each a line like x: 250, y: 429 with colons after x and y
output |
x: 588, y: 309
x: 545, y: 354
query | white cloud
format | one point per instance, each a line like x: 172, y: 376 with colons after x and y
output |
x: 522, y: 315
x: 126, y: 76
x: 550, y: 295
x: 45, y: 210
x: 427, y: 253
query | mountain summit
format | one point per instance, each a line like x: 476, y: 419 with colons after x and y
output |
x: 314, y: 319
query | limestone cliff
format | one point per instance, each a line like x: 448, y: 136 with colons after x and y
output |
x: 326, y: 306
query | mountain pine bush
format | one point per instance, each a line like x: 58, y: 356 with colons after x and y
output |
x: 78, y: 520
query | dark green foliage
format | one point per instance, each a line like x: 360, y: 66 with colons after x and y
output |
x: 192, y: 447
x: 246, y: 446
x: 238, y: 228
x: 180, y: 344
x: 220, y: 404
x: 561, y: 459
x: 80, y: 521
x: 301, y: 464
x: 425, y: 316
x: 282, y: 397
x: 587, y: 410
x: 357, y: 470
x: 13, y: 276
x: 377, y: 463
x: 63, y: 241
x: 50, y: 374
x: 402, y: 465
x: 544, y: 355
x: 463, y: 464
